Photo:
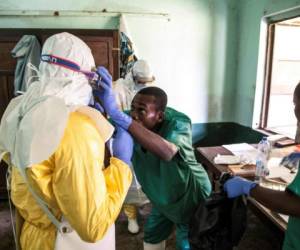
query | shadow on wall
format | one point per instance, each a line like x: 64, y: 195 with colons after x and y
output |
x: 219, y: 133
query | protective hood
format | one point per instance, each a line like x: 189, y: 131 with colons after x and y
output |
x: 141, y: 71
x: 33, y: 124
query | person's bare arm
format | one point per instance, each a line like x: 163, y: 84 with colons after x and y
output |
x: 152, y: 142
x: 283, y: 202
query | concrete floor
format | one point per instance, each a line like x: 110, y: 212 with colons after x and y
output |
x: 257, y: 235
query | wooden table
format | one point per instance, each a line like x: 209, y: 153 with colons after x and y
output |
x: 206, y: 155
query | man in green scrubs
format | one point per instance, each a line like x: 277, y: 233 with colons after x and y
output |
x: 164, y: 163
x: 292, y: 236
x: 285, y: 202
x: 176, y: 185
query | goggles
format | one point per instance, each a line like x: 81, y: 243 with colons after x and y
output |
x: 92, y: 76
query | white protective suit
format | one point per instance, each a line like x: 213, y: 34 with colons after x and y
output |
x: 56, y: 144
x: 139, y: 77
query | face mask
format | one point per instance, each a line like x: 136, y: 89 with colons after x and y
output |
x: 139, y: 86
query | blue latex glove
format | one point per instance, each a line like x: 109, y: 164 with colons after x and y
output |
x: 122, y: 145
x: 237, y: 186
x: 291, y: 161
x: 97, y: 105
x: 105, y: 93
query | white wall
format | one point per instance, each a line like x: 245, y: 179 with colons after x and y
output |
x: 192, y: 55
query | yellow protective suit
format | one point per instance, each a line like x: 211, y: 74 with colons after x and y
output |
x: 74, y: 184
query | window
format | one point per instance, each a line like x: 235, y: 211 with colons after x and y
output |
x: 282, y: 73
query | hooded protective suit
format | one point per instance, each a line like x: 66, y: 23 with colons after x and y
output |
x: 51, y: 136
x: 139, y: 77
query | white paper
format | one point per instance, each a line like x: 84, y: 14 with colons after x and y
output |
x: 239, y: 147
x: 227, y: 159
x: 245, y: 151
x: 278, y: 171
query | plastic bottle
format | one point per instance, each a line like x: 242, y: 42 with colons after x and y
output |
x: 263, y: 151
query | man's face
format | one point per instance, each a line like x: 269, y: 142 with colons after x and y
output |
x: 297, y: 107
x: 144, y: 111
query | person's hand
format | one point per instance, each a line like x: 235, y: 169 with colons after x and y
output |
x: 122, y: 145
x: 237, y: 186
x: 106, y: 95
x: 291, y: 161
x: 105, y: 92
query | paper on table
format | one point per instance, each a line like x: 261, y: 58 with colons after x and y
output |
x: 280, y: 172
x: 277, y: 171
x: 247, y: 152
x: 239, y: 147
x: 281, y: 152
x: 226, y: 159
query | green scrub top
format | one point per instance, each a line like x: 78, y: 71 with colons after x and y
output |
x: 292, y: 234
x: 176, y: 187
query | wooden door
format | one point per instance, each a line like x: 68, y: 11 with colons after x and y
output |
x: 7, y: 66
x: 103, y: 43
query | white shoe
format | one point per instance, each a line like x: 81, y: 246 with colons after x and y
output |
x: 158, y: 246
x: 133, y: 226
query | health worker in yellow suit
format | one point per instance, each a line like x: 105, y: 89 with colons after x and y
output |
x: 55, y: 144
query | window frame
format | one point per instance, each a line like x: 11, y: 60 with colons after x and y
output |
x: 269, y: 22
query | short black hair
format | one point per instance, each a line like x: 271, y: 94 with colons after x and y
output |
x: 297, y: 91
x: 161, y: 98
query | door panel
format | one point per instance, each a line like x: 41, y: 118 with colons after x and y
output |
x: 7, y: 62
x: 102, y: 52
x: 6, y: 91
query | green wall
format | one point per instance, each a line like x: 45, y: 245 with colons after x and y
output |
x: 205, y: 56
x: 193, y: 55
x: 250, y: 14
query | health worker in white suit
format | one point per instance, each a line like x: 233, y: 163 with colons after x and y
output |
x: 54, y: 143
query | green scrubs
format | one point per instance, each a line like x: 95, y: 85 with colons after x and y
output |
x: 175, y: 188
x: 292, y: 234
